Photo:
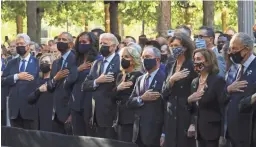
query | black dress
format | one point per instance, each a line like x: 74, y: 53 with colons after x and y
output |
x: 177, y: 116
x: 125, y: 115
x: 44, y: 103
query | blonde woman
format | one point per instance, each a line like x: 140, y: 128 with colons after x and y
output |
x: 42, y: 98
x: 130, y: 67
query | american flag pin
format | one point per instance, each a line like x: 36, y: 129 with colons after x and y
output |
x: 249, y: 72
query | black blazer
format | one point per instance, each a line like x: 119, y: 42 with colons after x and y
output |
x: 105, y: 106
x: 62, y: 89
x: 44, y: 103
x: 209, y: 113
x: 238, y: 124
x: 126, y: 116
x: 20, y: 90
x: 149, y: 115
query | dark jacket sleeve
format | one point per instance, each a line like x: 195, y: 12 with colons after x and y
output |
x: 132, y: 101
x: 72, y: 76
x: 220, y: 85
x: 7, y: 77
x: 87, y: 85
x: 34, y: 96
x: 245, y: 105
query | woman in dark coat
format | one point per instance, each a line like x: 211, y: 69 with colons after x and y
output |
x: 206, y: 99
x: 81, y: 102
x: 176, y: 91
x: 43, y: 98
x: 130, y: 67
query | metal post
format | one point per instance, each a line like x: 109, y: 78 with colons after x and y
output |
x: 246, y: 16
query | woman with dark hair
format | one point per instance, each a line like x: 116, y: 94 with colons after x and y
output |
x: 81, y: 102
x: 206, y: 101
x: 176, y: 91
x: 41, y: 97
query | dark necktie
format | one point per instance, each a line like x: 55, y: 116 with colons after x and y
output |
x: 146, y: 83
x: 102, y: 66
x: 22, y: 67
x: 60, y: 64
x: 239, y: 75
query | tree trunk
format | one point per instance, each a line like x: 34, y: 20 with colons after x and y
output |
x: 143, y: 27
x: 224, y: 19
x: 208, y: 10
x: 31, y: 20
x: 85, y: 24
x: 113, y: 11
x: 19, y: 24
x: 39, y: 17
x: 107, y: 18
x: 164, y: 18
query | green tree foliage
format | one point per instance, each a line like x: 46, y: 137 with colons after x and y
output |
x: 58, y: 12
x: 10, y: 9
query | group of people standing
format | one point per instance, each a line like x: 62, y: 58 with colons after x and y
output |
x: 170, y: 92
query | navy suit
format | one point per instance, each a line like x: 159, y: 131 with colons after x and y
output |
x: 239, y: 124
x: 19, y: 91
x: 149, y: 115
x: 62, y: 91
x: 105, y: 105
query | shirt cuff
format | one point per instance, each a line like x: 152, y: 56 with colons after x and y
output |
x: 95, y: 84
x: 15, y: 77
x: 163, y: 135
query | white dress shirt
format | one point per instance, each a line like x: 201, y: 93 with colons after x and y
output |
x: 26, y: 63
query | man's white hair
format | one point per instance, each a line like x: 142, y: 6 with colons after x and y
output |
x: 25, y: 37
x: 110, y: 36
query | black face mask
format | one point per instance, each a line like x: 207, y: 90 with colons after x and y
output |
x: 236, y: 57
x: 45, y: 67
x: 125, y: 63
x: 219, y: 47
x: 21, y: 50
x: 104, y: 50
x: 164, y: 58
x: 254, y: 33
x: 62, y: 47
x: 84, y: 48
x: 149, y: 64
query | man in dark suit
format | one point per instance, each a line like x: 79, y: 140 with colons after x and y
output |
x: 146, y: 98
x: 248, y: 105
x: 243, y: 85
x: 21, y: 75
x: 63, y: 75
x: 5, y: 89
x: 101, y: 82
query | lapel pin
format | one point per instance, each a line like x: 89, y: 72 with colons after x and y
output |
x: 249, y: 72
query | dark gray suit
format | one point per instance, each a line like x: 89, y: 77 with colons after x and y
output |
x: 105, y: 106
x: 62, y: 91
x: 149, y: 115
x: 22, y: 114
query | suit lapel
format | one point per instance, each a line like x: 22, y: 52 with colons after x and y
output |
x: 249, y: 71
x: 100, y: 69
x: 29, y: 65
x: 17, y: 65
x: 142, y: 82
x: 112, y: 64
x: 153, y: 84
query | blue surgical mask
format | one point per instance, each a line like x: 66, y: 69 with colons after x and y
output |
x: 200, y: 43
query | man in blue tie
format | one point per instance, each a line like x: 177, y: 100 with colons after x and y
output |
x: 21, y: 75
x: 147, y: 102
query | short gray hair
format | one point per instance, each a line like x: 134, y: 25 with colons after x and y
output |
x: 25, y: 37
x: 155, y: 50
x: 110, y: 36
x: 70, y: 37
x: 245, y: 39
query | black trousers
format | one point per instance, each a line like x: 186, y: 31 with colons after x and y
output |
x: 80, y: 125
x: 60, y: 127
x: 3, y: 118
x: 125, y: 132
x: 141, y: 144
x: 208, y: 143
x: 106, y: 132
x: 19, y: 122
